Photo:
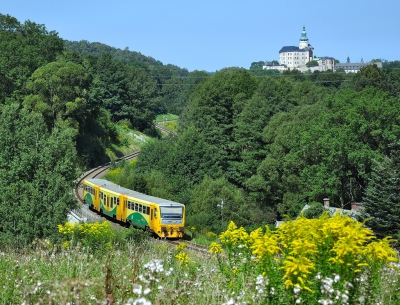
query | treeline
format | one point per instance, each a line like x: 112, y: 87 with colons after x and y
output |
x: 59, y: 109
x: 253, y: 148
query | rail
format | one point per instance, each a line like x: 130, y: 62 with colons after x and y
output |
x: 83, y: 214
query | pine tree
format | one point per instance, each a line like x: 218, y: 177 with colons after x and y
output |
x: 382, y: 201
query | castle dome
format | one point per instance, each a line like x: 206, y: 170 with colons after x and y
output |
x: 303, y: 36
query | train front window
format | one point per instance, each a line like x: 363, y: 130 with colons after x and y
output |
x: 171, y: 212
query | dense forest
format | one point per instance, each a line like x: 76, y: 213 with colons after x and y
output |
x: 252, y: 145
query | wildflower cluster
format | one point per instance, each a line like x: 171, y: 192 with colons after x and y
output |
x: 95, y: 235
x: 182, y: 257
x: 148, y: 283
x: 300, y: 249
x: 329, y: 293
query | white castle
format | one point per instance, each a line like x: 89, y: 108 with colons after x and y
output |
x: 292, y: 57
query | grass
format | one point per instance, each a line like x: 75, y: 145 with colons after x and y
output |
x: 166, y: 117
x: 129, y: 141
x: 134, y: 269
x: 121, y: 275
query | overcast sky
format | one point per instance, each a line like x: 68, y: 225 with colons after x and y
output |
x: 211, y: 35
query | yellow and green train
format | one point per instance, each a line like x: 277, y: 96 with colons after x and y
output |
x: 163, y: 217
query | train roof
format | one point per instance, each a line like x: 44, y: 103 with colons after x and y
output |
x: 107, y: 185
x: 100, y: 182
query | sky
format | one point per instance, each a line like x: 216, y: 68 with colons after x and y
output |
x: 211, y: 35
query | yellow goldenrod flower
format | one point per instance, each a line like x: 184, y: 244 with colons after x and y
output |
x: 215, y: 249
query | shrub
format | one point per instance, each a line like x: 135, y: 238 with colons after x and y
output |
x: 301, y: 256
x: 95, y: 235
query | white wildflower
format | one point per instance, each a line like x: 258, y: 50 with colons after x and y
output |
x: 137, y: 289
x: 230, y: 302
x: 336, y: 278
x: 141, y: 301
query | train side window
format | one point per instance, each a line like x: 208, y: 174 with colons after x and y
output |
x: 148, y: 210
x: 155, y: 213
x: 117, y: 201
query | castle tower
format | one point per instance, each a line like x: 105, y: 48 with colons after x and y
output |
x: 303, y: 42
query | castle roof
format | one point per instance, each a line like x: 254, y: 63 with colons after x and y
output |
x: 293, y: 49
x: 303, y: 36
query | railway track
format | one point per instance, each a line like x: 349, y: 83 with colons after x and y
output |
x: 86, y: 215
x: 83, y: 213
x: 189, y: 245
x: 164, y: 130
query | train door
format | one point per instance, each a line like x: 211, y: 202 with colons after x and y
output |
x: 96, y: 201
x: 154, y: 219
x: 121, y: 208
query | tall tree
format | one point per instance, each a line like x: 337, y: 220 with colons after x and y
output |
x: 143, y: 99
x: 36, y: 173
x: 381, y: 203
x: 112, y: 85
x: 23, y: 49
x: 212, y: 108
x: 58, y: 91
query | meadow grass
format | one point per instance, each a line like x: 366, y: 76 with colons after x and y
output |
x: 166, y: 117
x: 289, y: 265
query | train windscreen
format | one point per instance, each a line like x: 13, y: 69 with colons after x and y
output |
x: 171, y: 212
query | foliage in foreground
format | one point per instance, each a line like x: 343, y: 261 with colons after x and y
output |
x: 329, y: 260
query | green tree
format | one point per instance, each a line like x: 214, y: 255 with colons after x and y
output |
x: 215, y: 203
x: 23, y: 48
x: 59, y: 92
x: 183, y: 161
x: 369, y: 76
x: 213, y: 107
x: 111, y: 77
x: 326, y: 149
x: 312, y: 63
x: 381, y: 203
x: 257, y: 68
x: 142, y: 99
x: 37, y: 173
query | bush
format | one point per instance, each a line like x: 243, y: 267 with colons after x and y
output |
x: 136, y: 235
x: 315, y: 210
x: 309, y: 259
x: 94, y: 235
